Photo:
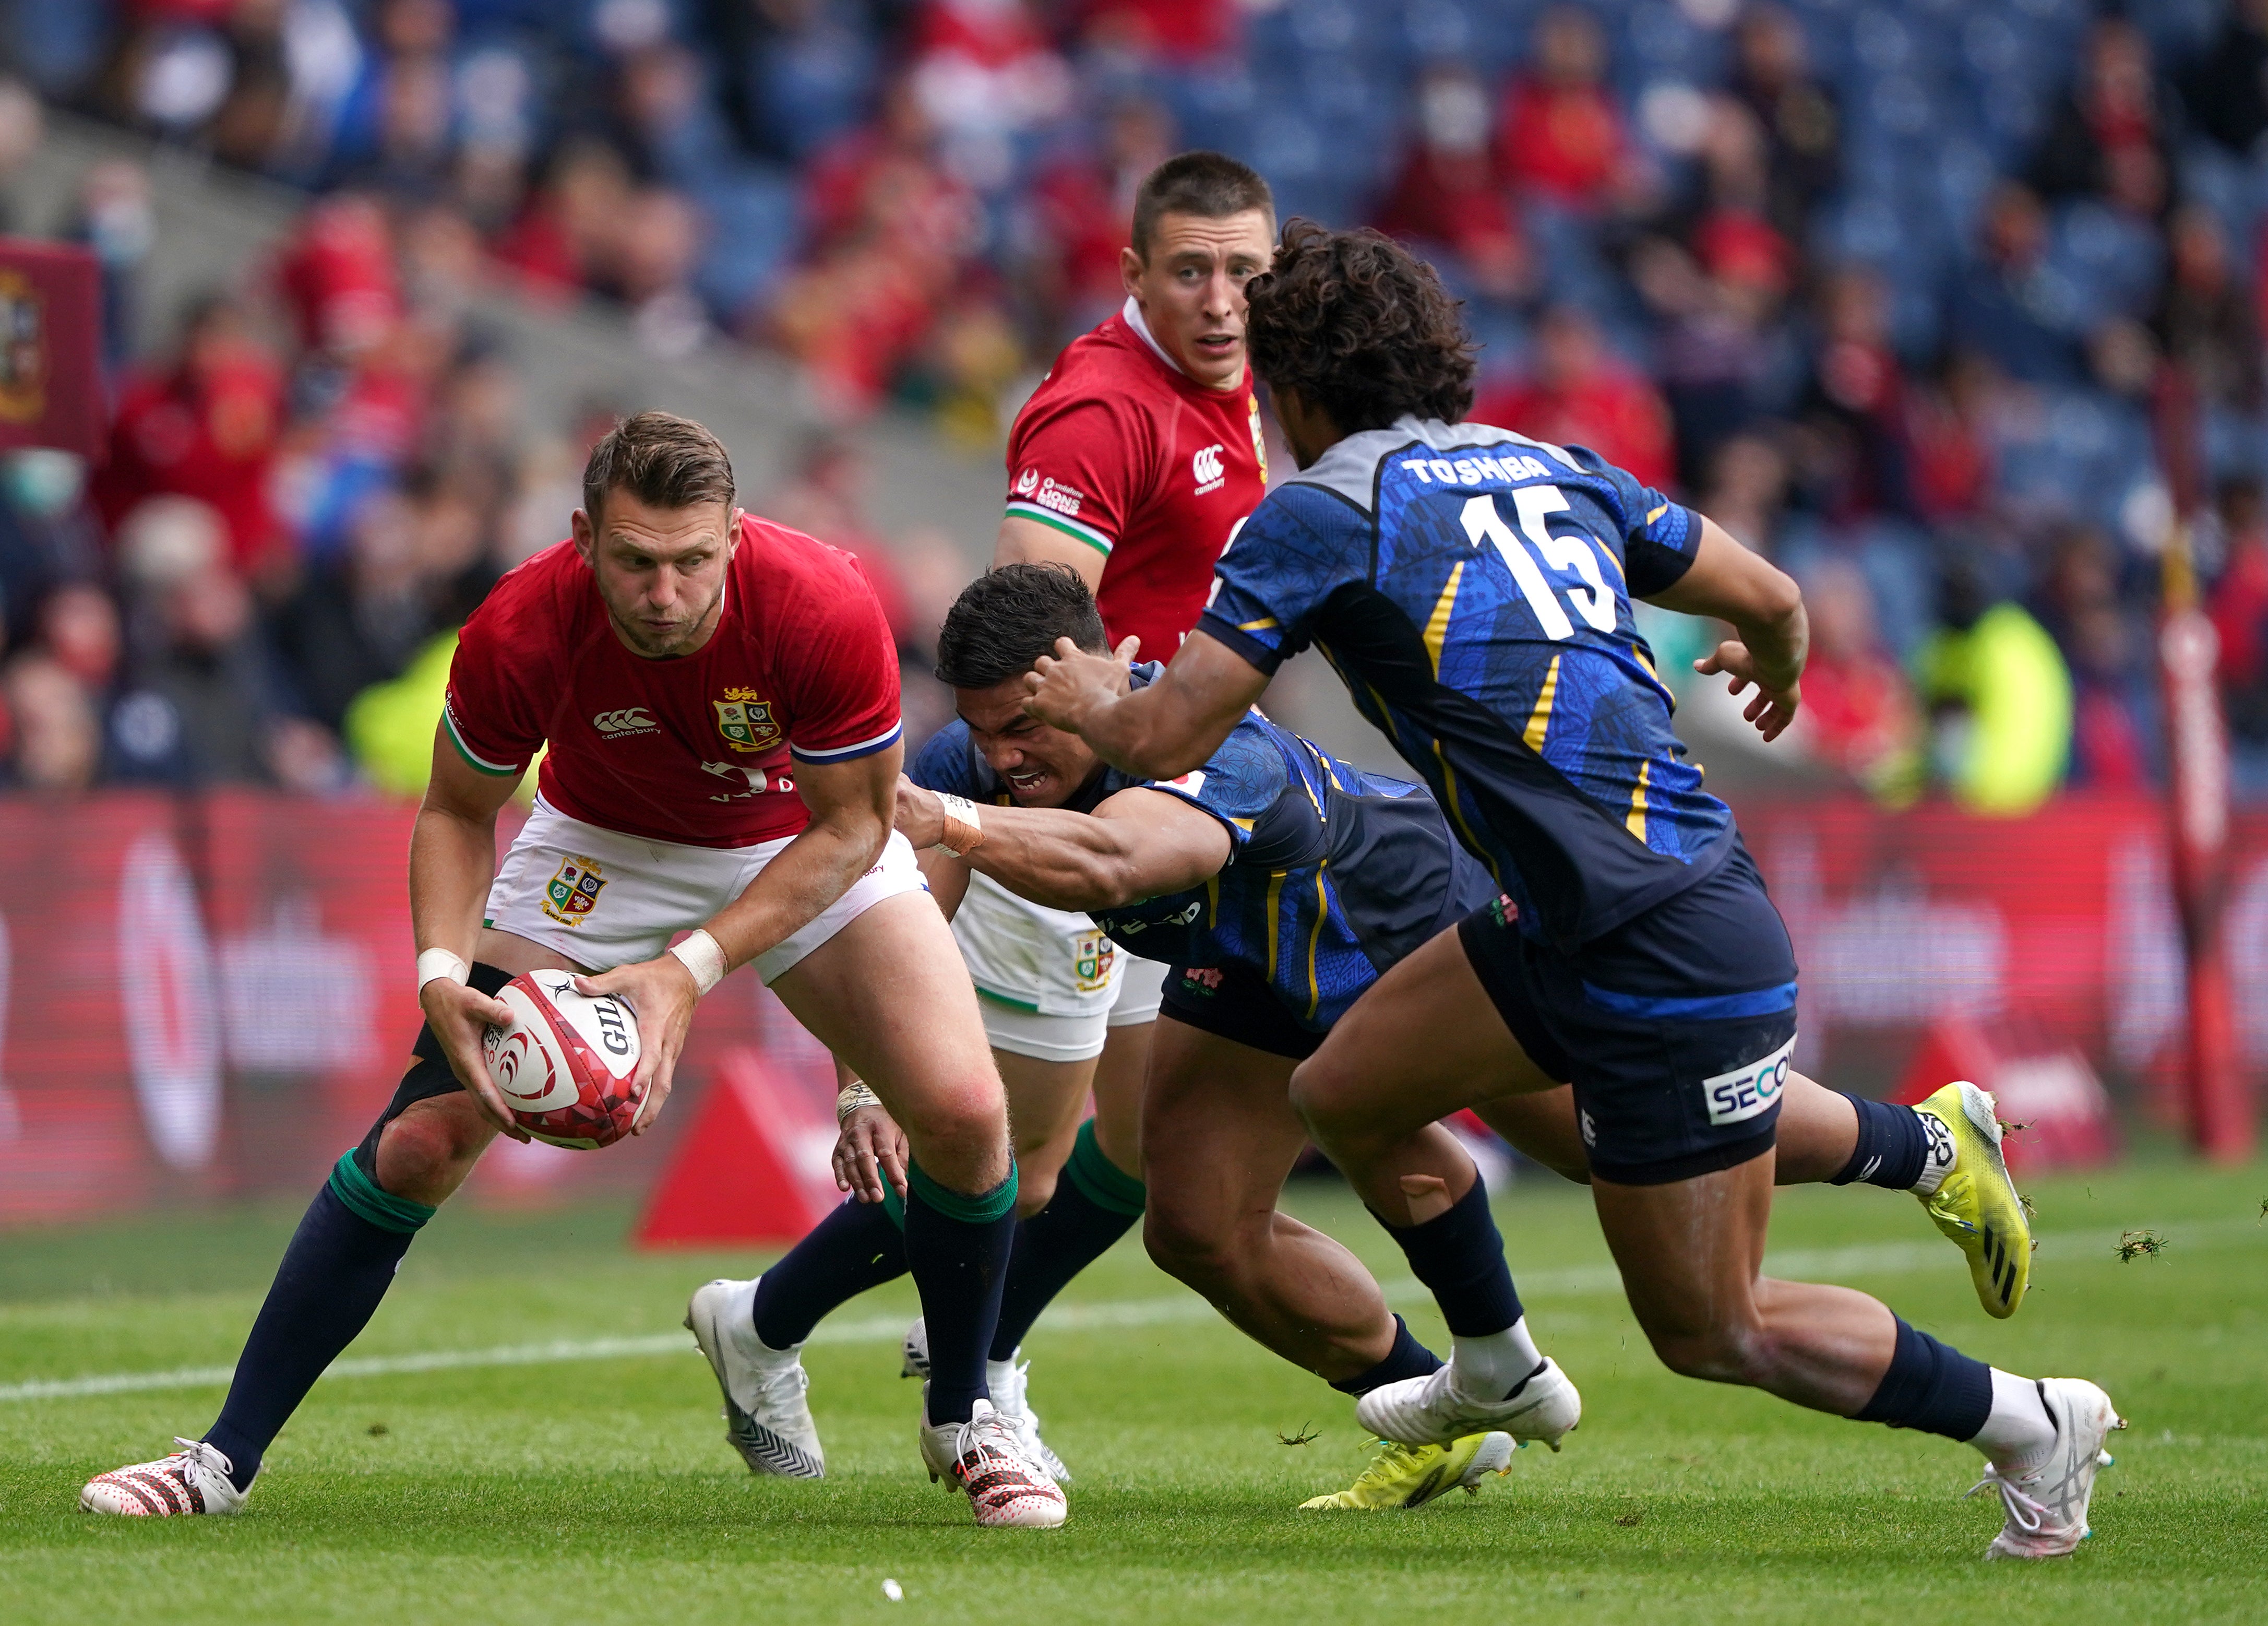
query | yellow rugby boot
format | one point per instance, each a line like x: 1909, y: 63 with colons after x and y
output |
x: 1412, y: 1475
x: 1974, y: 1202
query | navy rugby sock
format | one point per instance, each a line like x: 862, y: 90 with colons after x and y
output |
x: 1459, y: 1256
x: 1931, y: 1386
x: 1408, y: 1358
x: 958, y: 1247
x: 1094, y: 1203
x: 340, y: 1263
x: 856, y: 1247
x: 1893, y: 1146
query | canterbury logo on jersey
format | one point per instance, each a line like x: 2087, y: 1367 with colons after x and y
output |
x: 630, y: 719
x: 1206, y: 467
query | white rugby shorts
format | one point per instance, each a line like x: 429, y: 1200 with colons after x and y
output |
x: 1048, y: 980
x: 604, y: 899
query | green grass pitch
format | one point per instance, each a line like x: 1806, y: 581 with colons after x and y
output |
x: 598, y: 1489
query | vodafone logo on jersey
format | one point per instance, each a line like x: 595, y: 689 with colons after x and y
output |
x: 1206, y: 467
x: 628, y: 720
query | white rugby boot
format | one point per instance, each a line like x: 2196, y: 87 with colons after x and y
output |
x: 194, y: 1480
x: 1430, y: 1411
x: 1009, y: 1382
x: 766, y: 1417
x: 989, y: 1457
x: 2047, y: 1504
x: 1006, y: 1379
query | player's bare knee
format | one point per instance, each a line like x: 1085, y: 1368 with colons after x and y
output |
x: 425, y: 1156
x: 1318, y: 1094
x: 1197, y: 1254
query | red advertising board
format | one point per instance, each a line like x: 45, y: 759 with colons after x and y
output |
x: 212, y: 997
x: 205, y: 998
x: 50, y: 371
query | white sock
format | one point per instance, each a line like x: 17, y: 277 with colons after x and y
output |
x: 1489, y: 1368
x: 1937, y: 1161
x: 2018, y: 1432
x: 1000, y: 1376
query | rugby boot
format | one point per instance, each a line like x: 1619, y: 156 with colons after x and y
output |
x: 1009, y: 1382
x: 1975, y: 1204
x: 766, y: 1417
x: 1430, y: 1410
x: 194, y: 1480
x: 2046, y: 1504
x: 989, y: 1458
x: 1403, y: 1476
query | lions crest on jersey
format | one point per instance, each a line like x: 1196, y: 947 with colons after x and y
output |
x: 745, y: 719
x: 571, y: 895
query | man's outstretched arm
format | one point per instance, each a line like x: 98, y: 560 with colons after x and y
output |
x: 1161, y: 731
x: 1765, y: 607
x: 1139, y: 843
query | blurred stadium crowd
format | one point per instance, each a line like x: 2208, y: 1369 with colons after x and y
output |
x: 1953, y: 306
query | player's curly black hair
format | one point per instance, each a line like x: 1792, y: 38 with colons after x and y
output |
x: 1356, y: 324
x: 1008, y: 617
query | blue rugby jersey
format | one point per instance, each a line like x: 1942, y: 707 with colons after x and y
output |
x: 1472, y: 587
x: 1333, y: 874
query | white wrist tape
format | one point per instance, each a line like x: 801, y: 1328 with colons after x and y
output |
x: 964, y: 827
x: 440, y: 963
x: 851, y: 1096
x: 701, y: 956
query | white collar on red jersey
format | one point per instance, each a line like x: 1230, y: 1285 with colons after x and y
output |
x: 1131, y: 314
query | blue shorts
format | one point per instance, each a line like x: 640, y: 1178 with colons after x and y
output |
x: 1234, y: 1002
x: 1676, y: 1028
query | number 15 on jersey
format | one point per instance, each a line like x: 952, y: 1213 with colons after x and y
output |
x: 1589, y: 595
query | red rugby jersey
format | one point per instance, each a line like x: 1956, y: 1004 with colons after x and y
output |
x: 698, y: 748
x: 1122, y: 449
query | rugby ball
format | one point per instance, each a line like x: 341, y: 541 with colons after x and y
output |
x: 565, y: 1062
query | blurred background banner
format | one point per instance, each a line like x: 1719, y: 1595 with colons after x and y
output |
x: 50, y: 324
x: 209, y: 998
x: 1954, y: 311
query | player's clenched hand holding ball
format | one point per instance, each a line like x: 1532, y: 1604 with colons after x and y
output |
x: 662, y: 991
x: 460, y: 1017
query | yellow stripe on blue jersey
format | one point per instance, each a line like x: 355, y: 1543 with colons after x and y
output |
x: 1437, y: 625
x: 1539, y: 721
x: 1275, y: 917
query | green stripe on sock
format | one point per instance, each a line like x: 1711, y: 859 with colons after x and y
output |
x: 368, y: 1199
x: 1101, y: 1182
x: 979, y: 1210
x: 895, y: 1206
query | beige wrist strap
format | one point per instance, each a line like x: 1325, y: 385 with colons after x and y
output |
x: 964, y: 826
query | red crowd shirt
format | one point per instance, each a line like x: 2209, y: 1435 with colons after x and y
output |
x: 699, y: 749
x: 1122, y: 449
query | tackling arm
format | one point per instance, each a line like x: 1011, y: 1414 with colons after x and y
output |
x: 1139, y: 843
x: 1159, y: 731
x: 1765, y: 607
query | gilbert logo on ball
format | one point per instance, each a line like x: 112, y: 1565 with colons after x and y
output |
x: 566, y: 1063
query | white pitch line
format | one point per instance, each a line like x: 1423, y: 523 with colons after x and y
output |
x: 1883, y: 1259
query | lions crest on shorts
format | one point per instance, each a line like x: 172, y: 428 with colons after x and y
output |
x: 569, y: 896
x: 1091, y: 961
x: 745, y: 719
